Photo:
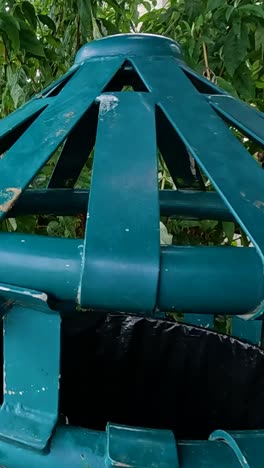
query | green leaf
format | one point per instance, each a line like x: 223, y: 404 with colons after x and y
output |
x: 47, y: 21
x: 252, y: 10
x: 10, y: 26
x: 214, y: 4
x: 224, y: 84
x: 260, y: 84
x: 30, y: 14
x: 12, y: 223
x: 235, y: 50
x: 30, y: 43
x: 219, y: 20
x: 86, y: 17
x: 193, y: 8
x: 107, y: 27
x: 115, y: 5
x: 53, y: 41
x: 229, y: 230
x: 207, y: 225
x: 243, y: 82
x: 229, y: 12
x: 259, y: 38
x: 26, y: 224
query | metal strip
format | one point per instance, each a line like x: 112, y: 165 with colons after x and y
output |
x: 236, y: 176
x: 22, y: 162
x: 174, y: 203
x: 121, y: 262
x: 31, y: 377
x: 76, y: 151
x: 244, y: 117
x: 227, y: 438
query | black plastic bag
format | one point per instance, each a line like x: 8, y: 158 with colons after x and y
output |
x: 158, y: 374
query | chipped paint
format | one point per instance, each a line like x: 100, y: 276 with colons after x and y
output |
x: 255, y: 313
x: 123, y: 465
x: 68, y: 115
x: 60, y: 132
x: 259, y: 204
x: 41, y: 296
x: 3, y: 288
x: 4, y: 373
x: 13, y: 194
x: 107, y: 103
x: 79, y: 294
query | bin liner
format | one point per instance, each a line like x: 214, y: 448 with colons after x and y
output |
x: 158, y: 374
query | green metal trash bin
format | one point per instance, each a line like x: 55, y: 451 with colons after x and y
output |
x: 85, y: 345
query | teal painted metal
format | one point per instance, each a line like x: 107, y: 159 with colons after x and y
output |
x: 245, y: 118
x: 55, y: 264
x: 184, y: 204
x: 119, y: 265
x: 211, y: 289
x: 154, y: 447
x: 200, y: 320
x: 13, y: 126
x: 227, y: 438
x: 102, y: 72
x: 51, y: 129
x: 68, y: 169
x: 184, y: 174
x: 219, y: 155
x: 31, y: 375
x: 250, y: 331
x: 129, y: 45
x: 121, y: 254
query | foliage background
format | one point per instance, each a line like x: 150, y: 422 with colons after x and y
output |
x: 222, y: 39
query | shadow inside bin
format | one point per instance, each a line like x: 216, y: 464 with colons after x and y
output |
x: 158, y: 374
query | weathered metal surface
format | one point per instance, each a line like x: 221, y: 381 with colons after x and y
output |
x: 124, y: 174
x: 120, y: 265
x: 143, y: 447
x: 31, y: 375
x: 51, y: 129
x: 245, y: 118
x: 182, y: 204
x: 55, y: 264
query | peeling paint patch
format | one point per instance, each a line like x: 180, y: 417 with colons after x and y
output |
x: 60, y: 132
x: 4, y: 375
x: 123, y: 465
x: 42, y: 296
x: 68, y: 115
x: 259, y: 204
x: 79, y: 294
x: 2, y: 155
x: 12, y: 194
x: 107, y: 103
x: 3, y: 288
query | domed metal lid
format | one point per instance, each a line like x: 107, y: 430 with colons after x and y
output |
x: 130, y: 45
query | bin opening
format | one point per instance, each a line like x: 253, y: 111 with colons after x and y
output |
x: 158, y: 374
